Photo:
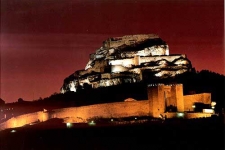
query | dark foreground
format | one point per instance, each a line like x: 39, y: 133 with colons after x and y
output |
x: 197, y: 134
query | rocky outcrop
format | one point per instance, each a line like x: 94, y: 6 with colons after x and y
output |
x: 127, y: 59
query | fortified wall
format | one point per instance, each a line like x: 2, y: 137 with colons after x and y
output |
x: 191, y: 100
x: 160, y: 98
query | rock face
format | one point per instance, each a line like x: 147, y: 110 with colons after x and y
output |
x: 128, y: 59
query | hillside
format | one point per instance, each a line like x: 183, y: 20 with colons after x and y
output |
x: 193, y: 82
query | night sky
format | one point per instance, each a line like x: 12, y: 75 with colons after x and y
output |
x: 44, y: 41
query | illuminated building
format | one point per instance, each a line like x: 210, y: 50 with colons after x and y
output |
x: 128, y: 59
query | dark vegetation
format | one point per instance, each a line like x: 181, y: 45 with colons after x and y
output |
x: 193, y: 83
x: 205, y: 82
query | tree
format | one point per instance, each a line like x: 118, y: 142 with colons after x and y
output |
x: 2, y: 102
x: 20, y: 100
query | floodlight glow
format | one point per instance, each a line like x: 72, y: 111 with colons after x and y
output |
x: 69, y: 125
x: 211, y: 111
x: 213, y: 104
x: 13, y: 131
x: 193, y: 106
x: 180, y: 115
x: 92, y: 123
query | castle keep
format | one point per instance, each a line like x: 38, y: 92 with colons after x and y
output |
x: 128, y: 59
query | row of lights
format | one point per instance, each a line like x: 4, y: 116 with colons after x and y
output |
x: 149, y: 85
x: 159, y: 84
x: 91, y: 123
x: 6, y: 109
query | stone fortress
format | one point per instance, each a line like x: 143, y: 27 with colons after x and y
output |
x: 160, y: 98
x: 128, y: 59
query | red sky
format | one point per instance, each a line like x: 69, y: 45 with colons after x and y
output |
x: 44, y: 41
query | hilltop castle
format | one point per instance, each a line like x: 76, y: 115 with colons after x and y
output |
x: 128, y: 59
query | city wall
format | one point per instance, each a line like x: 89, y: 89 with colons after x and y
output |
x: 189, y: 100
x: 83, y: 113
x: 25, y: 119
x: 153, y: 107
x: 109, y: 110
x: 128, y: 62
x: 186, y: 115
